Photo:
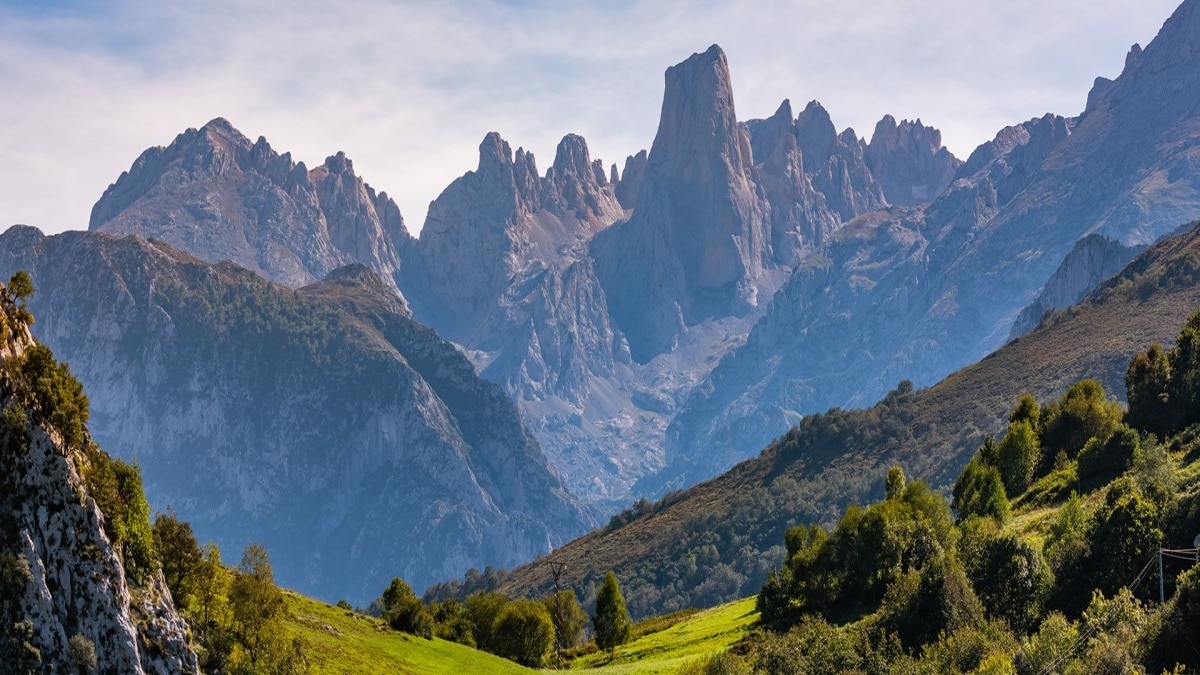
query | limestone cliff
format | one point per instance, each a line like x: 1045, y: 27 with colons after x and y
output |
x: 1094, y: 259
x: 69, y: 587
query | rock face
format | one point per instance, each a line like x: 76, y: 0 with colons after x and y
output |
x: 697, y: 244
x: 323, y: 422
x: 498, y: 228
x: 909, y: 161
x: 216, y: 194
x: 1094, y: 259
x: 63, y: 576
x: 914, y: 294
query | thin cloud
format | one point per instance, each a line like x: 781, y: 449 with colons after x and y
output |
x: 408, y: 89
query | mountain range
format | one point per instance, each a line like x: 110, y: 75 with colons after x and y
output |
x: 653, y: 326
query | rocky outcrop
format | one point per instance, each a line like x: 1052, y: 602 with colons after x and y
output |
x: 909, y: 161
x: 325, y: 423
x: 631, y: 180
x: 697, y: 244
x: 1094, y: 259
x: 836, y: 164
x: 64, y: 576
x: 216, y: 194
x: 497, y: 227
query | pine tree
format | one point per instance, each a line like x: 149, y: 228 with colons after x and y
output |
x: 611, y: 622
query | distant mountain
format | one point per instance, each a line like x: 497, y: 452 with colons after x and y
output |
x: 597, y: 299
x: 218, y: 195
x: 717, y: 540
x: 915, y: 293
x: 69, y: 585
x: 322, y: 422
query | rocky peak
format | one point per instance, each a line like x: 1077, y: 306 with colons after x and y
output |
x: 631, y: 179
x: 499, y: 224
x: 909, y: 162
x: 697, y: 243
x: 218, y: 196
x: 698, y: 117
x: 494, y: 154
x: 816, y: 134
x: 766, y: 135
x: 359, y: 222
x: 571, y: 158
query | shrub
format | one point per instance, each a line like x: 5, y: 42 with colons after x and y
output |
x: 523, y: 632
x: 404, y: 611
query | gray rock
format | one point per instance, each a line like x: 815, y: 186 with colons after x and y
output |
x: 75, y: 579
x: 217, y: 195
x: 909, y: 161
x: 697, y: 244
x: 1094, y: 259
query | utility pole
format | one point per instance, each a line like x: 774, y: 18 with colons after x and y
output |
x: 556, y: 570
x: 1161, y: 598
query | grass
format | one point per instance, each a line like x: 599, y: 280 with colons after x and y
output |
x: 343, y: 642
x: 666, y: 651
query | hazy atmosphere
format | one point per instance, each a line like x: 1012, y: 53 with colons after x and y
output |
x: 408, y: 89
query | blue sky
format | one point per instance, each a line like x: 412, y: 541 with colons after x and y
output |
x: 408, y: 89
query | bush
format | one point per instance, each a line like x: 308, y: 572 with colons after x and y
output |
x: 1108, y: 458
x: 1017, y: 457
x: 524, y: 633
x: 82, y: 654
x: 979, y: 491
x: 404, y: 611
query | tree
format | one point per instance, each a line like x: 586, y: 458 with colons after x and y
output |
x: 209, y: 614
x: 21, y: 287
x: 1010, y: 577
x: 1027, y: 410
x: 1017, y: 456
x: 404, y: 611
x: 894, y: 488
x: 451, y: 622
x: 1146, y: 383
x: 568, y: 618
x: 482, y: 609
x: 179, y: 553
x: 256, y: 604
x: 1110, y: 457
x: 980, y: 492
x: 1084, y: 412
x: 1125, y: 535
x: 523, y: 632
x: 611, y: 623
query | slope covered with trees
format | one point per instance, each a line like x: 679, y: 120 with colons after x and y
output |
x: 1093, y: 569
x: 718, y: 540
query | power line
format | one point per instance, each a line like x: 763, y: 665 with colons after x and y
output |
x: 1088, y: 633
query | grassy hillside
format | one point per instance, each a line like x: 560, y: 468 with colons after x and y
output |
x: 698, y: 636
x: 341, y: 642
x: 717, y: 540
